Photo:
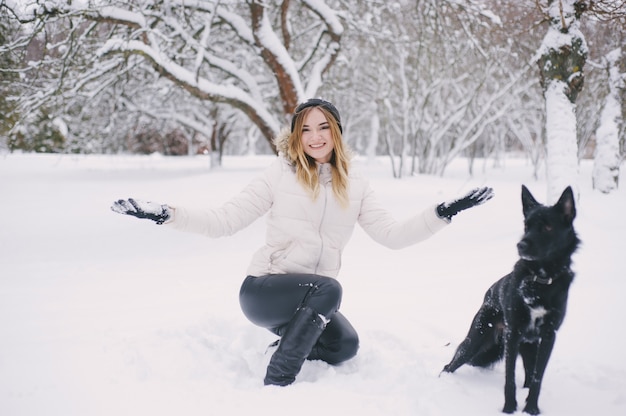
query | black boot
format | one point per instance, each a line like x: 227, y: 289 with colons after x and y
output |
x: 296, y: 344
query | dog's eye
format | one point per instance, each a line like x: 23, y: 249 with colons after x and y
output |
x: 547, y: 228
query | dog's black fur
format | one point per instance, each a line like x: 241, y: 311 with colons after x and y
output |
x: 522, y: 312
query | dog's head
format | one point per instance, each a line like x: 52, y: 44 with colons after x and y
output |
x: 548, y: 230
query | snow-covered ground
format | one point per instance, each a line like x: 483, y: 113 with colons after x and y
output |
x: 103, y: 314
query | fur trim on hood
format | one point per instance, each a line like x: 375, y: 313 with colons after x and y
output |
x: 281, y: 141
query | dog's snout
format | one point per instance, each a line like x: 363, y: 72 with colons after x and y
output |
x: 527, y: 249
x: 522, y: 246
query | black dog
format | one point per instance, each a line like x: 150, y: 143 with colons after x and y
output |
x: 522, y: 311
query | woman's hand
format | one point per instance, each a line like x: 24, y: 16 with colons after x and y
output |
x: 142, y: 209
x: 475, y: 197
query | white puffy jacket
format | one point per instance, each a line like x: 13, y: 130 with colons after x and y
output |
x: 305, y: 235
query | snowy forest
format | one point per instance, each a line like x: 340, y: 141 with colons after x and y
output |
x: 421, y: 81
x: 178, y: 102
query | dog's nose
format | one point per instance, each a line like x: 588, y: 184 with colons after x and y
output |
x: 522, y: 246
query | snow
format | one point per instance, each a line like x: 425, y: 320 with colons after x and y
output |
x: 103, y: 314
x: 270, y: 41
x: 607, y: 154
x: 187, y: 77
x: 563, y: 33
x: 564, y: 14
x: 61, y: 126
x: 240, y: 25
x: 115, y: 13
x: 328, y: 15
x: 561, y: 144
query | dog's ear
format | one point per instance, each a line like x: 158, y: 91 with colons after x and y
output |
x: 528, y: 201
x: 566, y: 204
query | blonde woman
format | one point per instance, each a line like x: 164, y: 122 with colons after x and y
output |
x: 312, y: 200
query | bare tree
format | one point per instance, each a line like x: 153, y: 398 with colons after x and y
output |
x: 608, y: 19
x: 562, y: 56
x: 8, y: 115
x: 422, y: 82
x: 607, y: 155
x: 248, y: 55
x: 442, y: 81
x: 561, y: 59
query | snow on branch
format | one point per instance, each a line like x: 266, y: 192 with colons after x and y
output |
x: 203, y: 55
x: 315, y: 80
x: 115, y: 14
x: 200, y: 87
x: 328, y: 15
x: 335, y: 30
x: 268, y: 40
x: 238, y: 24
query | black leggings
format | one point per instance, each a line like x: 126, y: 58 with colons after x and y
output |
x: 270, y: 302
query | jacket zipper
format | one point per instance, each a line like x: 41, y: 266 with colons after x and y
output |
x: 319, y: 228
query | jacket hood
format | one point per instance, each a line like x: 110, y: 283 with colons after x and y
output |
x: 281, y: 142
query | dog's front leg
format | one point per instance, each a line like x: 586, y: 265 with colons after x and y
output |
x: 511, y: 349
x: 543, y: 355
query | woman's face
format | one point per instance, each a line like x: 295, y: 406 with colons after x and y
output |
x: 317, y: 140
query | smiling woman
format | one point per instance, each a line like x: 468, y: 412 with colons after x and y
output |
x: 317, y: 140
x: 313, y: 200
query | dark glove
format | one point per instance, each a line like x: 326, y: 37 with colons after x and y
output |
x: 141, y: 209
x: 474, y: 197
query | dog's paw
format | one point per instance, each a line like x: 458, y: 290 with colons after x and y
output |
x: 531, y: 410
x: 510, y: 407
x: 444, y: 370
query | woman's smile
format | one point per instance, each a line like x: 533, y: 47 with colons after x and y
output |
x: 317, y: 140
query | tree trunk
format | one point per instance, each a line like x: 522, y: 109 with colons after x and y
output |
x: 562, y: 56
x: 607, y: 155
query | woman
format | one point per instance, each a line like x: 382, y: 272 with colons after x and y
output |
x: 312, y: 200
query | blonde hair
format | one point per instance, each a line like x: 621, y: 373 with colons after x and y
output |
x: 306, y: 167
